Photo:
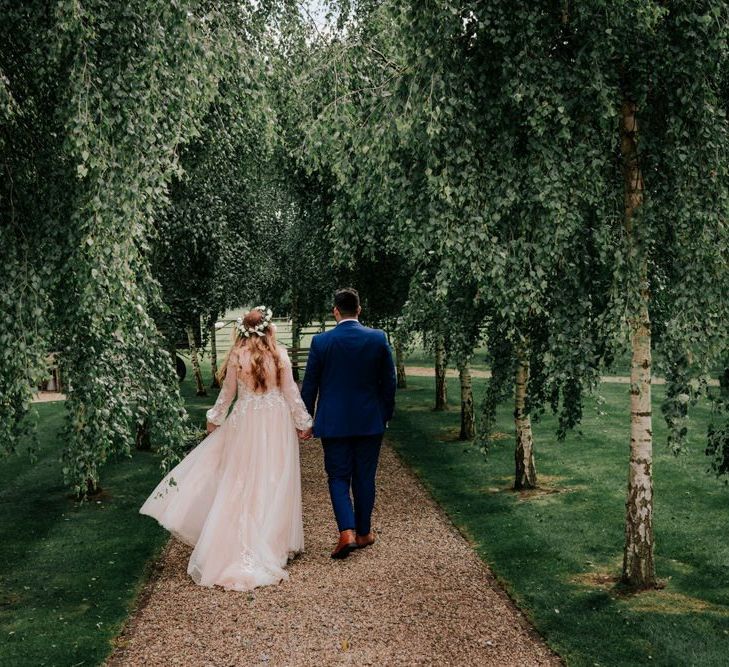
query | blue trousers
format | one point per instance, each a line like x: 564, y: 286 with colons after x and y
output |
x: 351, y: 463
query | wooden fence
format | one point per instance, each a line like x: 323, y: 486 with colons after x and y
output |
x: 284, y: 335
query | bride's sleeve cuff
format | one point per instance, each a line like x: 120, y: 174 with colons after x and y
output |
x: 307, y: 423
x: 214, y: 418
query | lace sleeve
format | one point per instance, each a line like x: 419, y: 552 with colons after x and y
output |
x: 302, y: 418
x: 218, y: 413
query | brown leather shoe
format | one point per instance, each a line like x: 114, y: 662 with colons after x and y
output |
x: 365, y: 540
x: 346, y: 545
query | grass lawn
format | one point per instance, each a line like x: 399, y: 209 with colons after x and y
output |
x: 417, y: 355
x: 70, y: 572
x: 559, y: 550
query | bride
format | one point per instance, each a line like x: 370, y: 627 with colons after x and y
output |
x: 236, y: 497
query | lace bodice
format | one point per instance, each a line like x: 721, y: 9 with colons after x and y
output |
x: 238, y: 383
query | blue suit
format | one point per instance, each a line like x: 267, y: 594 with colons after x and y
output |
x: 350, y: 371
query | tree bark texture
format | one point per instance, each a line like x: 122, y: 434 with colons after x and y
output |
x: 441, y: 388
x: 142, y: 440
x: 468, y: 419
x: 402, y: 381
x: 199, y: 385
x: 638, y: 561
x: 525, y: 473
x: 214, y: 384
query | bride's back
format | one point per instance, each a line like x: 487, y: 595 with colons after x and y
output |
x: 257, y: 366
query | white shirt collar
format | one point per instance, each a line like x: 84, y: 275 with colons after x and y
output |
x: 348, y: 319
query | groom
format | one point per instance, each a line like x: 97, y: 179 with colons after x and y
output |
x: 350, y: 369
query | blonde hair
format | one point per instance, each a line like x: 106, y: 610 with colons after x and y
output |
x: 261, y: 349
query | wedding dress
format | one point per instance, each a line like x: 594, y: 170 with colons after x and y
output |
x: 236, y: 497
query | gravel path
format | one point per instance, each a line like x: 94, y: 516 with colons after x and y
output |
x: 418, y: 596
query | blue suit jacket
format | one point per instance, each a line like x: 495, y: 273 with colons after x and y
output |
x: 350, y: 369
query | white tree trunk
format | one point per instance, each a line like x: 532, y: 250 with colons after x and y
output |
x: 441, y: 388
x: 199, y: 384
x: 468, y: 419
x: 525, y: 476
x: 638, y: 561
x: 402, y: 382
x: 214, y: 384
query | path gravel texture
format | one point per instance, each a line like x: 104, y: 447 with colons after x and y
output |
x: 419, y: 596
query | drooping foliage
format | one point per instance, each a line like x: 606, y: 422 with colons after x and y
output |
x: 202, y: 251
x: 103, y: 98
x: 554, y: 175
x: 572, y: 161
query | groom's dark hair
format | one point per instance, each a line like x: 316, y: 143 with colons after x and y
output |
x: 347, y: 301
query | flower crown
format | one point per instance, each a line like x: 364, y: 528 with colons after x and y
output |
x: 260, y: 328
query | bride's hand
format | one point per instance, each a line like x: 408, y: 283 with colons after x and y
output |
x: 211, y: 427
x: 304, y: 435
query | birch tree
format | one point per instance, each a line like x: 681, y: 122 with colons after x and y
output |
x: 427, y: 137
x: 109, y: 95
x: 569, y: 160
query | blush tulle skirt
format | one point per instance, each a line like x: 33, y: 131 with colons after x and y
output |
x: 236, y: 498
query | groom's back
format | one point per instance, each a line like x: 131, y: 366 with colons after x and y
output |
x: 351, y: 352
x: 350, y: 368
